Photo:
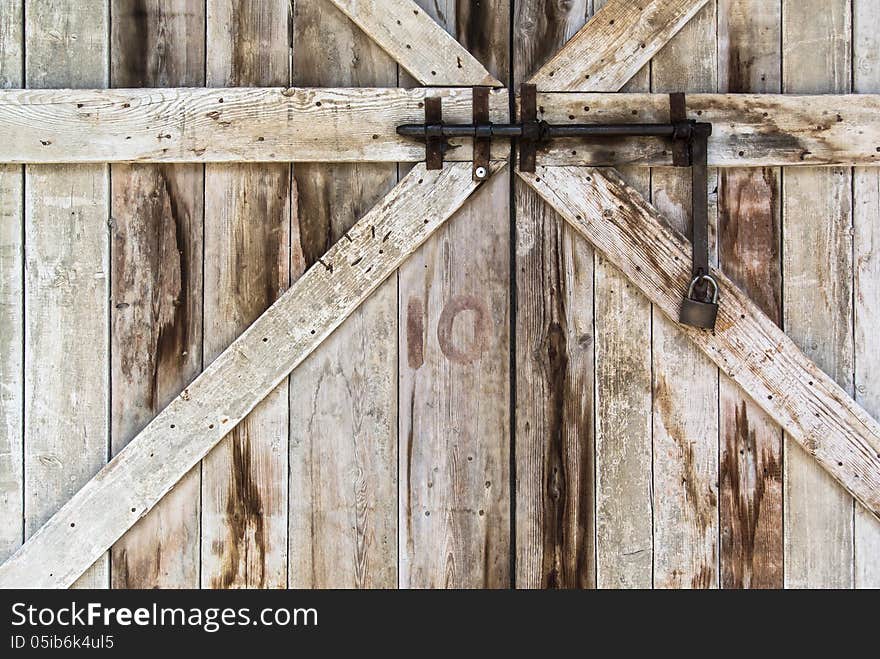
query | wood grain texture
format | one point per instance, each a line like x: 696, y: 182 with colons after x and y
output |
x: 409, y: 35
x: 685, y: 383
x: 624, y: 505
x: 753, y: 351
x: 66, y: 281
x: 554, y: 425
x: 618, y: 41
x: 749, y: 234
x: 234, y: 383
x: 11, y: 303
x: 866, y: 256
x: 263, y: 124
x: 156, y: 286
x: 343, y: 492
x: 350, y: 125
x: 748, y: 130
x: 247, y: 267
x: 817, y: 267
x: 454, y: 400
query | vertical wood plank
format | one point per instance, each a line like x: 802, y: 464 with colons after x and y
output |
x: 11, y: 302
x: 685, y: 382
x: 343, y: 398
x: 454, y: 402
x: 866, y: 221
x: 817, y: 293
x: 749, y: 222
x: 624, y: 509
x: 66, y: 279
x: 156, y: 285
x: 555, y: 496
x: 247, y: 266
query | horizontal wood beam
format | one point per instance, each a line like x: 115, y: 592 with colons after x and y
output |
x: 614, y: 44
x: 817, y: 413
x: 183, y: 433
x: 412, y: 38
x: 748, y: 130
x: 228, y: 125
x: 354, y: 125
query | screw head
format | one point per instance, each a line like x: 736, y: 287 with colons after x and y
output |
x: 480, y: 172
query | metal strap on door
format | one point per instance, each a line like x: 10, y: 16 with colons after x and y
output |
x: 689, y: 149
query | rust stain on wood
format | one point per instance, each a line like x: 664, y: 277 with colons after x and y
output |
x: 554, y: 362
x: 751, y: 476
x: 566, y: 563
x: 244, y: 520
x: 154, y: 226
x: 748, y: 208
x: 156, y: 282
x: 482, y: 322
x: 415, y: 332
x: 258, y: 273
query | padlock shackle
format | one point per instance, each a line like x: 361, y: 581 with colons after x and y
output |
x: 708, y: 278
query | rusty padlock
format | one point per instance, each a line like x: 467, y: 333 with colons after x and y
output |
x: 700, y: 313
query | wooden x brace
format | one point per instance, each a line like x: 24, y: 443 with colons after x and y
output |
x: 747, y: 346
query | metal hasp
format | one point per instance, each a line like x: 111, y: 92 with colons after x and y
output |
x: 689, y: 149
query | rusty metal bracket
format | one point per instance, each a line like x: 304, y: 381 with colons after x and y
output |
x: 483, y: 134
x: 435, y: 142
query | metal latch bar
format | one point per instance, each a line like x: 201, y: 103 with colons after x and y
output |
x: 690, y: 149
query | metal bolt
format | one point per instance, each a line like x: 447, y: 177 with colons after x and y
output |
x: 480, y: 172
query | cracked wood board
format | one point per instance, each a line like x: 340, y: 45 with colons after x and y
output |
x: 554, y: 359
x: 156, y: 289
x: 247, y: 267
x: 749, y: 252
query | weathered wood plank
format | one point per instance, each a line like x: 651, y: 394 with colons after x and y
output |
x: 343, y: 494
x: 11, y: 303
x: 554, y: 358
x: 817, y: 293
x: 247, y: 267
x: 156, y: 286
x: 748, y: 130
x: 454, y: 409
x: 624, y: 506
x: 618, y: 41
x: 286, y: 124
x: 866, y: 256
x: 421, y: 46
x: 234, y: 383
x: 754, y: 352
x: 749, y: 232
x: 227, y: 125
x: 66, y: 282
x: 685, y: 383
